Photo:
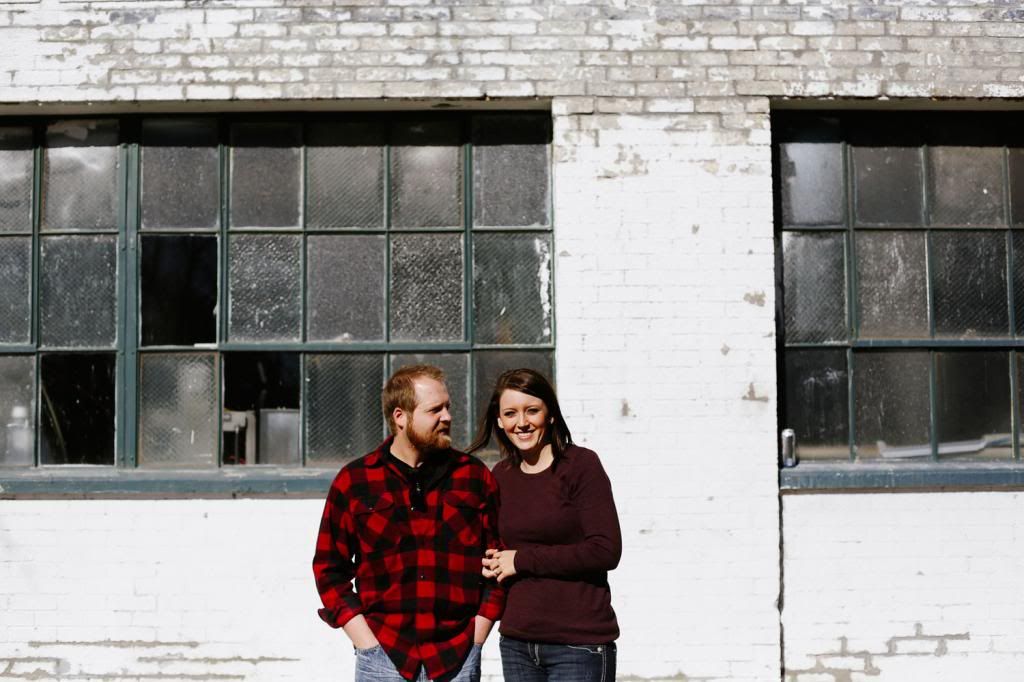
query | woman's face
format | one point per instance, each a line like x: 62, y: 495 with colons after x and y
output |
x: 524, y: 419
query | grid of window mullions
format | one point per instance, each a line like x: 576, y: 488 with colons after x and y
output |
x: 1012, y: 344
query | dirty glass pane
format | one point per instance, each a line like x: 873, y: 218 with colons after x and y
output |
x: 180, y: 174
x: 17, y: 410
x: 345, y: 292
x: 891, y: 412
x: 814, y: 274
x: 15, y: 289
x: 77, y: 408
x: 811, y: 183
x: 969, y: 281
x: 261, y: 408
x: 1018, y: 280
x: 426, y: 165
x: 892, y: 285
x: 456, y: 370
x: 345, y: 163
x: 817, y: 403
x: 888, y: 185
x: 16, y: 162
x: 511, y: 161
x: 488, y: 366
x: 78, y: 291
x: 1016, y: 158
x: 512, y: 288
x: 264, y: 288
x: 966, y: 186
x: 972, y: 391
x: 178, y: 410
x: 266, y: 175
x: 344, y: 418
x: 178, y: 289
x: 426, y: 287
x: 80, y: 176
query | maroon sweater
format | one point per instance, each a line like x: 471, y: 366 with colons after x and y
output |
x: 565, y: 530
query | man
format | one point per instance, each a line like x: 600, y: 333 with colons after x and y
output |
x: 397, y: 560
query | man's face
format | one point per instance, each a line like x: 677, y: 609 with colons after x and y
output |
x: 429, y: 426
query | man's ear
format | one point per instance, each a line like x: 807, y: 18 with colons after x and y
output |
x: 399, y: 416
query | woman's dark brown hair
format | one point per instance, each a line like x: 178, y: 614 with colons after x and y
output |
x: 532, y: 383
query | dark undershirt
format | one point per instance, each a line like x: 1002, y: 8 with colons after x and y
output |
x: 428, y: 475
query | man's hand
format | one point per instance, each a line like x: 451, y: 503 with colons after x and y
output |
x: 360, y: 633
x: 499, y: 563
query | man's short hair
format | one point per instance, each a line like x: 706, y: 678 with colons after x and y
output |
x: 400, y: 390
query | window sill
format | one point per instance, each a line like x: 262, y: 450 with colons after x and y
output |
x: 110, y: 483
x: 809, y: 477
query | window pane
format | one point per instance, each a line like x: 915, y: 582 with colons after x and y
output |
x: 180, y: 174
x: 77, y: 408
x: 426, y: 287
x: 15, y: 289
x: 178, y: 410
x: 344, y: 417
x: 16, y: 179
x: 456, y: 370
x: 512, y: 288
x: 888, y: 185
x: 264, y: 288
x: 1016, y: 158
x: 17, y: 410
x: 510, y: 170
x: 891, y: 405
x: 969, y: 283
x: 489, y: 365
x: 1018, y: 279
x: 892, y: 285
x: 814, y: 274
x: 427, y: 168
x: 80, y: 176
x: 179, y: 290
x: 346, y: 287
x: 266, y: 175
x: 812, y: 183
x: 966, y: 186
x: 817, y: 403
x: 261, y: 408
x: 973, y: 402
x: 78, y: 291
x: 345, y: 162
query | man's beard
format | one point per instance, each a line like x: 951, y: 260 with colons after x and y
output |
x: 429, y: 441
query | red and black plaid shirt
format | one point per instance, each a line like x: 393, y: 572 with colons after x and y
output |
x: 416, y: 573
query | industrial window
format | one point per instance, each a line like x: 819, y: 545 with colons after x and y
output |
x: 900, y: 273
x: 204, y: 292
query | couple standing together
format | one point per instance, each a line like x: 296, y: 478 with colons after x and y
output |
x: 421, y: 548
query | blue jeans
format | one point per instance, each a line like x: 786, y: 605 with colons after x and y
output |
x: 373, y: 665
x: 538, y: 662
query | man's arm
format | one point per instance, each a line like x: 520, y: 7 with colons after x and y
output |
x: 492, y: 604
x: 334, y: 569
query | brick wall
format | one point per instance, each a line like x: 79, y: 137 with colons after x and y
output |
x: 664, y: 312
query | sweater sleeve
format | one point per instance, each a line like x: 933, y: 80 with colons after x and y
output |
x: 601, y: 546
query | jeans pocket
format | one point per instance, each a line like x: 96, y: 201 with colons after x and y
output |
x: 367, y: 652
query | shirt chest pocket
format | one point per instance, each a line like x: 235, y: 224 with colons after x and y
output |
x: 377, y: 524
x: 462, y: 518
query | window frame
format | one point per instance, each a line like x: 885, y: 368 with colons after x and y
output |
x: 124, y: 476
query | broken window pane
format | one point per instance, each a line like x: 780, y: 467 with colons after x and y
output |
x: 510, y: 170
x: 266, y: 175
x: 78, y: 291
x: 969, y: 284
x: 892, y: 285
x: 972, y: 393
x: 17, y: 410
x: 811, y: 181
x: 892, y: 414
x: 178, y: 410
x: 427, y: 175
x: 345, y: 163
x: 814, y: 271
x: 264, y: 288
x: 426, y: 287
x: 344, y: 418
x: 180, y: 174
x: 80, y: 176
x: 179, y: 290
x: 261, y: 408
x: 456, y: 369
x: 16, y: 163
x: 345, y: 293
x: 15, y: 289
x: 512, y: 288
x: 817, y: 403
x: 77, y: 393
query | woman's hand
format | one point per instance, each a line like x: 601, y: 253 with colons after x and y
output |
x: 499, y: 564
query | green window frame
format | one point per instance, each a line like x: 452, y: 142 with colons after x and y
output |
x: 900, y: 282
x: 337, y: 246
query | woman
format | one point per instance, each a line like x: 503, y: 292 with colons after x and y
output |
x: 559, y: 525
